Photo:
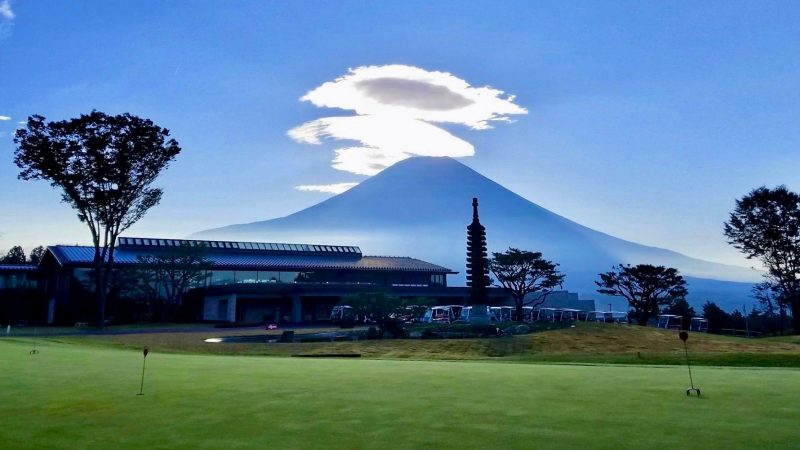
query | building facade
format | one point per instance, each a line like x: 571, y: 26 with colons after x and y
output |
x: 251, y: 282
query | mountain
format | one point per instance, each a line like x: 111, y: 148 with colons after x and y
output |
x: 420, y: 207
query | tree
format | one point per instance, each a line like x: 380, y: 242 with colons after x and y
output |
x: 169, y: 274
x: 383, y: 309
x: 36, y: 255
x: 105, y: 167
x: 16, y: 255
x: 681, y: 308
x: 644, y: 286
x: 765, y: 225
x: 523, y: 272
x: 716, y: 316
x: 771, y: 298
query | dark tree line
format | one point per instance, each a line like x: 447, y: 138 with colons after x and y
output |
x: 16, y: 255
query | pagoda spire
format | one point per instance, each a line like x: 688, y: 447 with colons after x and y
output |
x: 477, y: 261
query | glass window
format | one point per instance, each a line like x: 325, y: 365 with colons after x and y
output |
x: 305, y: 277
x: 201, y: 281
x: 289, y: 277
x: 246, y: 276
x: 269, y: 277
x: 220, y: 277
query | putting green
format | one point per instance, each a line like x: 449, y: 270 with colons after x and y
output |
x: 70, y: 396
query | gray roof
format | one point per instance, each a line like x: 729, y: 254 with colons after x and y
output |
x: 257, y: 259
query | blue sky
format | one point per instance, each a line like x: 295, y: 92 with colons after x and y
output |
x: 645, y: 120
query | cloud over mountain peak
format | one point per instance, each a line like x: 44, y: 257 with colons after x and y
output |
x: 397, y: 109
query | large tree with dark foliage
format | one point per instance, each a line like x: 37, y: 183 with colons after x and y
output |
x: 523, y: 272
x: 104, y: 166
x: 16, y: 255
x: 765, y: 225
x: 646, y: 288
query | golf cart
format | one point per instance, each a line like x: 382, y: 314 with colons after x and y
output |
x: 670, y: 321
x: 699, y: 324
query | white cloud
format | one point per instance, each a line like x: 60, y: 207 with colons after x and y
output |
x: 5, y: 10
x: 383, y: 141
x: 336, y: 188
x: 396, y: 108
x: 4, y: 118
x: 411, y: 92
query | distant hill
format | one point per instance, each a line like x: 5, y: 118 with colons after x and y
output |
x: 420, y: 207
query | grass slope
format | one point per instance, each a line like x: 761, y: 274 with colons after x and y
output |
x: 591, y: 343
x: 76, y: 397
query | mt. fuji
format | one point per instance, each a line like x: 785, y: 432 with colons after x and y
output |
x: 420, y: 207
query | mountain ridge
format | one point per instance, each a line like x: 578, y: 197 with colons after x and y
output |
x: 420, y: 207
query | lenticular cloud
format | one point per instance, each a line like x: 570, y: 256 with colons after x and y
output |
x: 397, y: 111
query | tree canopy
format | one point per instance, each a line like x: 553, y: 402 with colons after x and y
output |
x: 524, y: 272
x: 765, y: 225
x: 36, y: 255
x: 646, y: 287
x: 15, y: 255
x: 104, y: 166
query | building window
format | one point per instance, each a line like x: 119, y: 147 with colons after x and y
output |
x: 221, y: 277
x: 269, y: 277
x: 246, y: 276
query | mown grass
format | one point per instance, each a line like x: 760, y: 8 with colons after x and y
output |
x: 586, y: 343
x: 77, y: 397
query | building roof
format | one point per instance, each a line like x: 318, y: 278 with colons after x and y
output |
x: 257, y: 256
x: 18, y: 267
x: 135, y: 242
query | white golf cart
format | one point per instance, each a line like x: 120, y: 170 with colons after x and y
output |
x: 699, y: 324
x: 670, y: 321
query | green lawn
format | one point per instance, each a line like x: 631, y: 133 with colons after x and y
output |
x: 75, y: 396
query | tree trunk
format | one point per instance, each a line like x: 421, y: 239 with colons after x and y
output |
x: 99, y: 292
x: 642, y: 318
x: 795, y: 302
x: 520, y: 311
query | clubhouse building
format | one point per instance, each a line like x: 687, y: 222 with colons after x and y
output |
x: 247, y: 282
